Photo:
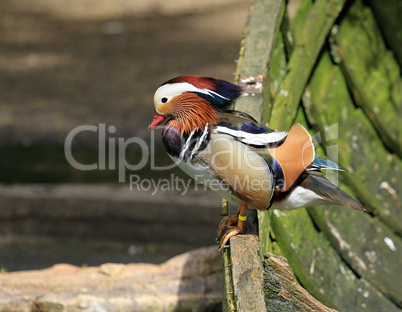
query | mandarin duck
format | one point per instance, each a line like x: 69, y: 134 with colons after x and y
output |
x: 229, y: 151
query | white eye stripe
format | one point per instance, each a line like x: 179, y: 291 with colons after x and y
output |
x: 172, y: 89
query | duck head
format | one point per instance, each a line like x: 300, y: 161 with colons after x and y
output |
x: 190, y: 102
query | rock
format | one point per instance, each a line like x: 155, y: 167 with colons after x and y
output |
x: 188, y: 282
x: 45, y: 224
x: 112, y: 269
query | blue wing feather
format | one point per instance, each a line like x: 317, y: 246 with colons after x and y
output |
x: 322, y: 163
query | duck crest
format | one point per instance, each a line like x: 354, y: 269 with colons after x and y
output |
x: 217, y: 92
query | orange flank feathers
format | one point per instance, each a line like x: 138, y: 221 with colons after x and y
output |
x: 294, y: 155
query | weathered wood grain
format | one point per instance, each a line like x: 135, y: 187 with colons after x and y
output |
x: 283, y: 292
x: 247, y: 273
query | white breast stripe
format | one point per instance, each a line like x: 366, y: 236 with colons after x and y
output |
x: 254, y: 139
x: 187, y: 144
x: 199, y: 142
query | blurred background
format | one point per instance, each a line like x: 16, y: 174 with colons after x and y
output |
x: 85, y: 62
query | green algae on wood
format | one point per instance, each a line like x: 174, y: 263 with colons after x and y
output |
x: 283, y: 292
x: 371, y: 71
x: 319, y: 267
x: 315, y: 28
x: 276, y: 70
x: 328, y: 103
x: 369, y: 247
x: 389, y: 19
x: 334, y: 275
x: 228, y: 301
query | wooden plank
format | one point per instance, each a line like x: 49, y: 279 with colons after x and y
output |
x: 276, y: 70
x: 243, y: 279
x: 256, y: 50
x: 255, y: 55
x: 258, y: 37
x: 228, y: 300
x: 247, y: 273
x: 290, y: 229
x: 297, y: 17
x: 371, y: 71
x: 283, y: 292
x: 285, y: 234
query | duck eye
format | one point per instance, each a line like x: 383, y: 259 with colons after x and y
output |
x: 164, y: 100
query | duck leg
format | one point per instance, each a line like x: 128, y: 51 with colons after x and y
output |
x: 228, y: 223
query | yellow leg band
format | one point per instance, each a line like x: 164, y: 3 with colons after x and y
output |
x: 242, y: 218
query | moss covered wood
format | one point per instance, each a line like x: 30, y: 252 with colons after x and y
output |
x: 372, y: 72
x: 330, y: 69
x: 283, y: 292
x: 314, y: 27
